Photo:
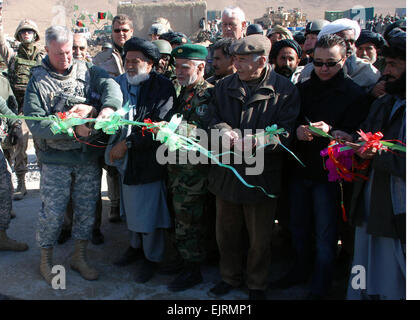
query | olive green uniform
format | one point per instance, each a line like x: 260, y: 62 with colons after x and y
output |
x: 188, y: 183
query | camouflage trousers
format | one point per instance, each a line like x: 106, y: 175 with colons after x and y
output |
x: 16, y: 155
x: 6, y: 191
x: 188, y: 191
x: 57, y: 183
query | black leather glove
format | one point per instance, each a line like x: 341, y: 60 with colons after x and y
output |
x: 16, y: 134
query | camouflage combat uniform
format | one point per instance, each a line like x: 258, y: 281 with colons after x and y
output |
x: 6, y: 187
x: 63, y: 158
x: 188, y: 183
x: 6, y: 191
x: 19, y: 65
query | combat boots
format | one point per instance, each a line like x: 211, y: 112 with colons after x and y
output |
x: 7, y: 244
x: 78, y: 261
x: 21, y: 188
x: 45, y: 266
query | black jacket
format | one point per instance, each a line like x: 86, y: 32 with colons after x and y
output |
x: 274, y: 101
x: 156, y: 100
x: 382, y: 220
x: 339, y: 102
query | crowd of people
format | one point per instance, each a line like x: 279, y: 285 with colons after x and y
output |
x: 179, y: 216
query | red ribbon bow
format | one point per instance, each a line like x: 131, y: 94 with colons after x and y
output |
x: 62, y: 115
x: 146, y: 128
x: 371, y: 140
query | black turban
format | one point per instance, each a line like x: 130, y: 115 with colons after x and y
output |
x: 372, y: 37
x: 277, y: 46
x: 396, y: 44
x: 149, y: 49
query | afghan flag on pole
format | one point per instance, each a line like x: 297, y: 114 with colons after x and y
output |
x: 101, y: 15
x: 80, y: 23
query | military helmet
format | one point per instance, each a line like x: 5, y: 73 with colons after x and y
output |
x: 315, y: 26
x: 27, y: 24
x: 107, y: 45
x: 254, y: 29
x: 157, y: 29
x: 163, y: 46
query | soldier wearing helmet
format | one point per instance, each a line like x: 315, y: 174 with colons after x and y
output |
x: 311, y: 36
x: 166, y: 65
x: 254, y: 29
x: 19, y: 65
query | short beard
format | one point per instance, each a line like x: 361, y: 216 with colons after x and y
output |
x: 141, y: 76
x: 284, y: 71
x: 190, y: 81
x: 397, y: 87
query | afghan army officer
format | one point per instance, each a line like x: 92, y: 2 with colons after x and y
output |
x: 187, y: 182
x: 19, y: 66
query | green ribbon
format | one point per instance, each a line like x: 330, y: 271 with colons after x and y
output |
x: 166, y: 134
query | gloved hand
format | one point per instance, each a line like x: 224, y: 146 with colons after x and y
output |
x: 16, y: 134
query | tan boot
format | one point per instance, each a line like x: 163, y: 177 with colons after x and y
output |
x: 45, y: 266
x: 7, y: 244
x: 78, y: 261
x: 21, y: 188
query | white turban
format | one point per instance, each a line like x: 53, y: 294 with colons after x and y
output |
x: 340, y: 25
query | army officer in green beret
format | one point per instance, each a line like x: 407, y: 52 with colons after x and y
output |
x: 188, y: 182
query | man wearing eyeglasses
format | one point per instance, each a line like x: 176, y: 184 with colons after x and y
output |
x: 112, y: 62
x: 330, y: 100
x: 233, y: 26
x: 233, y: 23
x: 361, y: 72
x: 80, y: 47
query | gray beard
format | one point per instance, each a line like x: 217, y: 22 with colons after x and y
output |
x: 137, y: 79
x: 190, y: 81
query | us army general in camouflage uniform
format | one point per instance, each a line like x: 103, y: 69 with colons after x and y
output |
x: 68, y: 164
x: 187, y: 182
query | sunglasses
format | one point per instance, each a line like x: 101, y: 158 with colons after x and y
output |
x: 329, y: 64
x: 26, y: 31
x: 123, y: 30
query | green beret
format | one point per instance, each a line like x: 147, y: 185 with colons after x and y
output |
x: 256, y: 43
x: 190, y: 51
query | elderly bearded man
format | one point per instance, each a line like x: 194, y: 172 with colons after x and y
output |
x: 69, y: 166
x: 143, y: 197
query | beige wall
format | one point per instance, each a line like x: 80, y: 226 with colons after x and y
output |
x: 184, y: 17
